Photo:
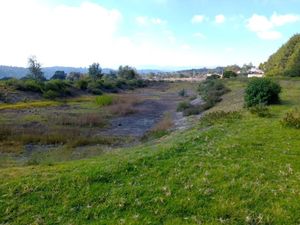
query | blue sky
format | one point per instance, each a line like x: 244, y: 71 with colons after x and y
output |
x: 163, y: 34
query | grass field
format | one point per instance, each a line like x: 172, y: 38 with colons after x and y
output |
x: 231, y: 168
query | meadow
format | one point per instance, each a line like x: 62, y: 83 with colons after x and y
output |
x: 231, y: 167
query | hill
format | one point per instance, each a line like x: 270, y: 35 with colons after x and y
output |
x: 19, y: 72
x: 286, y: 61
x: 231, y: 168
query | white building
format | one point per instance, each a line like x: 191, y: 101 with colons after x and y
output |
x: 255, y: 72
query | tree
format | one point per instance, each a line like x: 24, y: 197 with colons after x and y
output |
x: 74, y: 76
x: 127, y: 73
x: 35, y: 70
x: 95, y: 71
x: 229, y: 74
x: 59, y: 75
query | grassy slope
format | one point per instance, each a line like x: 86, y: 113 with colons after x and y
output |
x: 238, y: 171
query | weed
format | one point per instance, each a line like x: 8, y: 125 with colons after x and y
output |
x: 292, y: 119
x: 260, y: 110
x: 183, y: 106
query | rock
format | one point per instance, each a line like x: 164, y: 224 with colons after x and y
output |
x: 196, y: 102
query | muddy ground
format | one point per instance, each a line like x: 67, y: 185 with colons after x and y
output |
x: 152, y: 105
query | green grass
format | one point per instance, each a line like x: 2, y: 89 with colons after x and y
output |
x: 230, y: 168
x: 104, y: 100
x: 27, y: 105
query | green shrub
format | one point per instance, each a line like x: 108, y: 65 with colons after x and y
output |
x: 183, y: 106
x: 292, y: 119
x: 95, y: 87
x: 192, y: 110
x: 104, y: 100
x: 110, y: 84
x: 211, y: 91
x: 262, y: 91
x: 82, y: 84
x: 50, y: 94
x: 29, y: 85
x: 213, y: 117
x: 260, y: 110
x: 213, y: 77
x: 229, y: 74
x: 56, y: 88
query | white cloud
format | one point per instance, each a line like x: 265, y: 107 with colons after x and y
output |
x: 56, y: 35
x: 220, y: 18
x: 269, y: 35
x: 280, y: 20
x: 144, y: 20
x: 158, y: 21
x: 198, y: 19
x: 265, y: 27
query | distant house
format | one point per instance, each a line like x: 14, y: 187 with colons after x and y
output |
x: 255, y: 72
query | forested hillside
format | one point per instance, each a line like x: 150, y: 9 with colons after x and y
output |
x: 286, y: 61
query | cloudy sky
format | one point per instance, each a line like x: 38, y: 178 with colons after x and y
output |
x: 162, y: 34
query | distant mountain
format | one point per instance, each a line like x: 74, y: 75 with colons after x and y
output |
x: 10, y: 71
x: 286, y: 61
x: 204, y: 70
x: 148, y: 71
x: 18, y: 72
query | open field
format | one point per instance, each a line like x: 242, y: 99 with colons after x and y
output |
x: 230, y: 168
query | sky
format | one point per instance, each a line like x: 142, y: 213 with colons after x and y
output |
x: 146, y: 34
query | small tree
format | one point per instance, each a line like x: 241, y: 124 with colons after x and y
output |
x: 95, y: 71
x: 59, y: 75
x: 73, y: 76
x: 35, y: 70
x: 127, y: 73
x: 262, y: 91
x: 229, y: 74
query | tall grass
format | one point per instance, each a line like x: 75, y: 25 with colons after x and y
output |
x: 104, y: 100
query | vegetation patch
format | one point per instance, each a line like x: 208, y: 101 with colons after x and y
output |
x: 160, y: 129
x: 211, y: 91
x: 104, y: 100
x: 27, y: 105
x: 262, y: 91
x: 260, y: 110
x: 292, y: 119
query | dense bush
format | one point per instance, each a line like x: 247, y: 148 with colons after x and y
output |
x: 292, y: 119
x: 95, y: 87
x: 82, y: 84
x: 192, y: 110
x: 262, y: 91
x: 183, y: 106
x: 229, y: 74
x: 213, y: 77
x: 211, y: 91
x: 55, y: 88
x: 29, y: 85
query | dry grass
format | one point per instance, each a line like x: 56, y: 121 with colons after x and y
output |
x: 164, y: 125
x: 161, y: 129
x: 80, y: 120
x: 14, y: 138
x: 124, y: 105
